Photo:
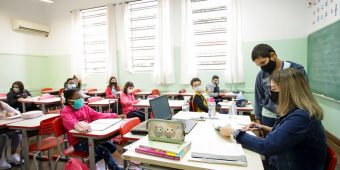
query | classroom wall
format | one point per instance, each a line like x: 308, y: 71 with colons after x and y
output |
x: 22, y: 54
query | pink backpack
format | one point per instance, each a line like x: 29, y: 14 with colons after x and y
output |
x: 75, y: 164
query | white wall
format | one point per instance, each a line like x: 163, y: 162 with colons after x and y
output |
x: 273, y: 19
x: 12, y: 42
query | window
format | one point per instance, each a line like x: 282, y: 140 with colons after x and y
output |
x: 210, y: 33
x: 142, y: 25
x: 94, y: 34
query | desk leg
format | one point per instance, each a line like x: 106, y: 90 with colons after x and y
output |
x: 92, y: 154
x: 100, y: 109
x: 172, y: 111
x: 25, y: 149
x: 43, y: 108
x: 23, y: 107
x: 173, y: 97
x: 117, y: 107
x: 146, y: 113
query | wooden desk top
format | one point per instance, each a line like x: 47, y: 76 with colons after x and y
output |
x: 172, y: 103
x: 99, y: 134
x: 202, y: 132
x: 103, y: 102
x: 30, y: 124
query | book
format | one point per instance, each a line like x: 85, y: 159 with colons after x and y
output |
x: 102, y: 124
x: 153, y: 152
x: 171, y: 148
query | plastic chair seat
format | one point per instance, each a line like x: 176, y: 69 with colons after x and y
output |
x: 47, y: 143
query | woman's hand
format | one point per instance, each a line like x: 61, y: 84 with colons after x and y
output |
x: 83, y: 127
x: 2, y: 116
x: 252, y: 126
x: 226, y: 130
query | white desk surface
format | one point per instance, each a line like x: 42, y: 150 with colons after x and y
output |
x: 30, y: 123
x: 103, y: 102
x: 98, y: 134
x: 48, y: 101
x: 30, y: 99
x: 226, y: 105
x: 142, y: 93
x: 96, y: 92
x: 229, y: 94
x: 132, y: 136
x: 202, y: 132
x: 4, y: 122
x: 178, y: 94
x: 3, y: 98
x: 172, y: 103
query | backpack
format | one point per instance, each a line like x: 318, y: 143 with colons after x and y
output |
x: 75, y: 164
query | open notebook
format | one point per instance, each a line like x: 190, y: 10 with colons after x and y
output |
x: 102, y: 124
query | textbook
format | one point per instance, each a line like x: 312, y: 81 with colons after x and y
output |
x: 102, y: 124
x: 171, y: 148
x: 228, y: 153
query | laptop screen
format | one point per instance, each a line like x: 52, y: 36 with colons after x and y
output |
x: 160, y: 107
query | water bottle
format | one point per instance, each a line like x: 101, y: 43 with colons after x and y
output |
x: 233, y: 109
x: 211, y: 107
x: 239, y: 96
x: 186, y: 106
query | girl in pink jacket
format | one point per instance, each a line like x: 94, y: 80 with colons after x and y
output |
x: 127, y: 99
x: 76, y: 113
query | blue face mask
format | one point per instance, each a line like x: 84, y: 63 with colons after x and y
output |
x: 78, y: 103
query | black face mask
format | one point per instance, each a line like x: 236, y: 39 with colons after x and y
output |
x: 274, y: 96
x: 269, y: 67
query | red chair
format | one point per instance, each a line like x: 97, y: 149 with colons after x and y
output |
x: 92, y: 89
x: 331, y: 159
x: 3, y: 94
x: 59, y: 132
x: 182, y: 91
x: 46, y: 96
x: 155, y: 92
x: 61, y: 91
x: 136, y: 91
x: 44, y: 144
x: 126, y: 128
x: 45, y: 89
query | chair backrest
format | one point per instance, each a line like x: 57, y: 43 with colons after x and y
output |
x: 60, y: 92
x: 182, y: 91
x: 155, y: 92
x: 3, y: 94
x: 46, y: 126
x: 92, y: 89
x: 127, y: 126
x: 94, y: 99
x: 46, y: 96
x: 136, y: 91
x: 46, y: 89
x: 331, y: 160
x: 58, y: 127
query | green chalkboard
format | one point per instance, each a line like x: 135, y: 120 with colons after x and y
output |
x: 324, y: 61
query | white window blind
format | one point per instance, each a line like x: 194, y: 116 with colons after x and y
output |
x: 94, y: 34
x: 210, y: 34
x: 142, y: 24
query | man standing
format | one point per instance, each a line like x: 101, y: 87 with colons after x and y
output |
x: 266, y: 100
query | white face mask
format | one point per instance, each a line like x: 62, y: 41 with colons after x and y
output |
x: 71, y: 86
x: 130, y: 91
x: 199, y: 88
x: 113, y: 81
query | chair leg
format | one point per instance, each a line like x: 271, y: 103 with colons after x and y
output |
x: 56, y: 162
x: 49, y: 159
x: 35, y: 160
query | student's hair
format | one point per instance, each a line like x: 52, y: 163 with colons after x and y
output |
x: 294, y: 92
x: 194, y: 80
x: 215, y: 77
x: 68, y: 95
x: 66, y: 82
x: 79, y: 81
x: 127, y: 85
x: 261, y: 50
x: 112, y: 84
x: 20, y: 84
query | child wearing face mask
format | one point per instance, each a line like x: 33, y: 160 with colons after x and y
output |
x: 76, y: 115
x: 200, y: 103
x: 112, y: 89
x: 15, y: 136
x: 18, y: 93
x: 127, y: 99
x: 71, y: 84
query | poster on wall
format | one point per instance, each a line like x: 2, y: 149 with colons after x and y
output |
x: 324, y: 10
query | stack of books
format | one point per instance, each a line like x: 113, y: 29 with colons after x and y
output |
x: 164, y: 150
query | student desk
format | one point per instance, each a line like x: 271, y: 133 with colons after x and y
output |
x: 103, y: 103
x: 3, y: 98
x: 143, y: 94
x: 4, y: 122
x: 28, y: 125
x: 174, y: 104
x: 202, y: 132
x: 95, y: 135
x: 248, y: 108
x: 174, y: 94
x: 42, y: 103
x: 96, y: 93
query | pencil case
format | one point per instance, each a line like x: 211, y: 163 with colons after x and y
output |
x: 171, y: 131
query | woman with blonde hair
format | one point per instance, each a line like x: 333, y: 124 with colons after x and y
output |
x: 297, y: 140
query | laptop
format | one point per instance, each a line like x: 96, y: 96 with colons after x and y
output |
x: 161, y: 110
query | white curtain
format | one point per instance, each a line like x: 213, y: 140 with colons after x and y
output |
x: 188, y: 68
x: 112, y: 50
x: 77, y: 60
x: 163, y: 68
x: 234, y: 72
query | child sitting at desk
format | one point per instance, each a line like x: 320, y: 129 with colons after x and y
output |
x: 17, y: 94
x: 75, y: 113
x: 127, y: 99
x: 297, y: 140
x: 112, y: 89
x: 15, y: 136
x: 200, y: 103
